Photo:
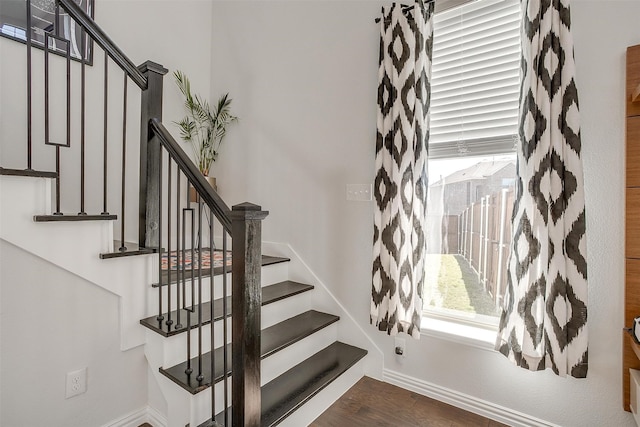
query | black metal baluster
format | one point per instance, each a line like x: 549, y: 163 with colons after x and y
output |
x: 57, y: 212
x: 190, y: 310
x: 184, y: 249
x: 82, y: 123
x: 56, y: 23
x: 105, y: 133
x: 47, y: 38
x: 225, y: 312
x: 178, y: 251
x: 169, y: 321
x: 184, y: 246
x: 123, y: 247
x: 46, y: 108
x: 193, y: 258
x: 160, y: 317
x: 29, y: 96
x: 68, y: 128
x: 68, y: 55
x: 200, y: 377
x: 212, y: 313
x: 46, y: 87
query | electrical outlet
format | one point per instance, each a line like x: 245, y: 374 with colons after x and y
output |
x: 359, y: 192
x: 400, y: 347
x: 76, y: 383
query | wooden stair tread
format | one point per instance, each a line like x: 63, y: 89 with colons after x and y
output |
x: 270, y: 260
x: 294, y: 388
x: 131, y: 249
x: 273, y: 339
x: 270, y: 294
x: 27, y: 172
x: 73, y: 217
x: 288, y: 392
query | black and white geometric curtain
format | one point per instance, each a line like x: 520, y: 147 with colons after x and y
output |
x: 544, y: 318
x: 406, y: 39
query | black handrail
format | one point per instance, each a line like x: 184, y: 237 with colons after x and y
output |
x: 208, y: 195
x: 100, y: 37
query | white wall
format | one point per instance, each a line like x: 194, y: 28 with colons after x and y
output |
x: 52, y: 323
x: 303, y: 79
x: 174, y: 33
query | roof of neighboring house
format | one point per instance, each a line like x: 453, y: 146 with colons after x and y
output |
x: 479, y: 171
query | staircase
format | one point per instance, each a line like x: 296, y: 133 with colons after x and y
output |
x: 304, y: 365
x: 300, y: 355
x: 264, y: 341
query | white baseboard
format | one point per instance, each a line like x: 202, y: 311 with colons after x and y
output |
x: 463, y: 401
x: 155, y: 418
x: 139, y: 417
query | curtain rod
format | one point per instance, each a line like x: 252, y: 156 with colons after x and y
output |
x: 441, y: 5
x: 405, y: 8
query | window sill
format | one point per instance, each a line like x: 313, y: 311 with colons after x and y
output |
x: 473, y: 336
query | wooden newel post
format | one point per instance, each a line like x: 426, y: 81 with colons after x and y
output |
x: 150, y: 157
x: 246, y: 227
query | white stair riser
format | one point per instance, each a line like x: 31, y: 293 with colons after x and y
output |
x: 178, y: 401
x: 201, y: 403
x: 34, y: 195
x: 280, y: 362
x: 183, y: 407
x: 274, y: 273
x: 174, y: 349
x: 279, y: 311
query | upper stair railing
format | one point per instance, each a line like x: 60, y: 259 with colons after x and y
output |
x: 180, y: 216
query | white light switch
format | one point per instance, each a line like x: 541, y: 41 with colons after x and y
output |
x: 359, y: 192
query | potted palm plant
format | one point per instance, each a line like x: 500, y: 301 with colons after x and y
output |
x: 203, y: 126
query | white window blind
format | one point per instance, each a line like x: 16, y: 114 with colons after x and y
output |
x: 475, y: 79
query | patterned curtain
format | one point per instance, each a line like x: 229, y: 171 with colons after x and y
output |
x: 544, y: 318
x: 406, y: 40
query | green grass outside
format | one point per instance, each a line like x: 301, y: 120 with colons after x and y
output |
x: 452, y: 284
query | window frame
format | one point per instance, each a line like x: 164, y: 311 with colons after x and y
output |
x: 450, y: 324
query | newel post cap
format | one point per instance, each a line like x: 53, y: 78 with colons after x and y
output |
x: 247, y: 211
x: 152, y: 66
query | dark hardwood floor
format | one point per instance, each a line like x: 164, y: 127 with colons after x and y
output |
x: 375, y: 403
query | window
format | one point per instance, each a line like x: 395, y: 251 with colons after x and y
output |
x: 472, y: 166
x: 15, y: 32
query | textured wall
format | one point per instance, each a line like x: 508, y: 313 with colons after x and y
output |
x: 54, y: 322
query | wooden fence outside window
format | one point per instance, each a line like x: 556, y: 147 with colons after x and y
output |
x: 482, y: 235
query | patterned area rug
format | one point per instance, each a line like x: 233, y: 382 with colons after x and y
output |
x: 170, y: 260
